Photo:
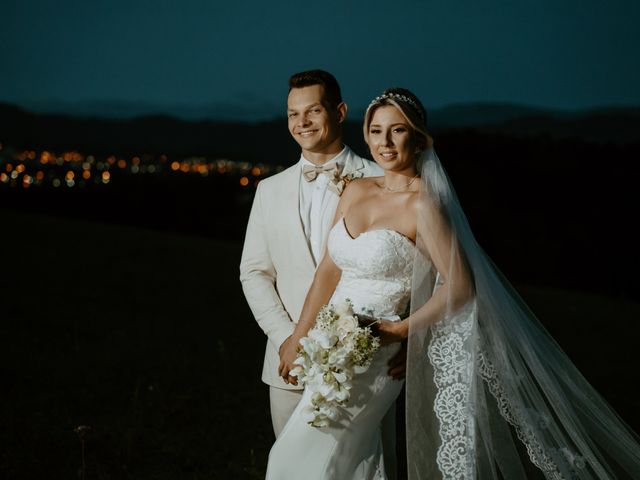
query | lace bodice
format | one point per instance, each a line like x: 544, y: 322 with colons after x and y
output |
x: 376, y: 269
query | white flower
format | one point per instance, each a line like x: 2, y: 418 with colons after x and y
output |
x: 338, y: 358
x: 344, y: 308
x: 340, y: 377
x: 343, y: 394
x: 358, y: 369
x: 333, y: 351
x: 323, y: 338
x: 345, y: 325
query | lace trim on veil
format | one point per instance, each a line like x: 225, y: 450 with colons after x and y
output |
x: 525, y: 432
x: 452, y: 375
x: 449, y: 352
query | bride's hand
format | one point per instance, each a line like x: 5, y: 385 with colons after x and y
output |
x: 288, y: 353
x: 391, y: 332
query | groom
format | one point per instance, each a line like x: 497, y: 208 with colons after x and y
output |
x: 290, y: 220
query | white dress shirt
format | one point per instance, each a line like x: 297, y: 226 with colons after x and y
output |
x: 317, y: 207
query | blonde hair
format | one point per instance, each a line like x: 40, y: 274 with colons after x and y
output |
x: 411, y: 109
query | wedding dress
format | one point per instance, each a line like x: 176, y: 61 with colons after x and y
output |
x: 376, y: 276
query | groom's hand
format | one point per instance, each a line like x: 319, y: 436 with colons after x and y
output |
x: 288, y: 353
x: 398, y: 363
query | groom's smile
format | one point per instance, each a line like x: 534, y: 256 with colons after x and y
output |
x: 307, y: 133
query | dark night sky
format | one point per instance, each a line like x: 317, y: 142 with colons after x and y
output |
x: 566, y: 54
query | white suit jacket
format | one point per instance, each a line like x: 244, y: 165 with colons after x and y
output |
x: 277, y: 266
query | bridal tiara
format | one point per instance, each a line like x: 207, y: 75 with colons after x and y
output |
x: 399, y: 97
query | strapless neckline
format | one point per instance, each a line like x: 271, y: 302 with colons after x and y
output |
x: 368, y: 232
x: 376, y: 266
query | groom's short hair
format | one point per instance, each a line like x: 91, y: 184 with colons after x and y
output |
x: 332, y: 94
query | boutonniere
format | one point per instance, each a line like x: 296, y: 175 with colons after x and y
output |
x: 339, y: 181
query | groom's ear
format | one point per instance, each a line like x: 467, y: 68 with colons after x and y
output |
x: 342, y: 111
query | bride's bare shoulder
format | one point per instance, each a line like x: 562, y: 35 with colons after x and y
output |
x: 355, y: 190
x: 362, y: 185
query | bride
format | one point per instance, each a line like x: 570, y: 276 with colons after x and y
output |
x: 488, y: 392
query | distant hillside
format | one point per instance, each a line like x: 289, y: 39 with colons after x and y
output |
x: 474, y: 114
x: 483, y: 114
x: 252, y: 110
x: 620, y: 126
x: 614, y: 124
x: 268, y: 141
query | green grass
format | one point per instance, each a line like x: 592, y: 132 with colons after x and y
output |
x: 146, y: 338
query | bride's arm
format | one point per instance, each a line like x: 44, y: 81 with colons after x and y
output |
x: 456, y: 286
x: 324, y: 284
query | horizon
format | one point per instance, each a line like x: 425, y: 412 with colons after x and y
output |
x: 131, y: 110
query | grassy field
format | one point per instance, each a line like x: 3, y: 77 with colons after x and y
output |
x: 145, y: 338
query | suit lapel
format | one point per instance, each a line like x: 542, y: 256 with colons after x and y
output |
x: 354, y: 165
x: 361, y: 167
x: 291, y: 218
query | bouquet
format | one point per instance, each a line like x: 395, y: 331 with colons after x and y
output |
x: 334, y: 350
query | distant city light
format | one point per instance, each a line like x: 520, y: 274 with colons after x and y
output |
x: 45, y: 168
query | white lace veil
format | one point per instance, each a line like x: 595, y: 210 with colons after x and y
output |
x: 490, y: 394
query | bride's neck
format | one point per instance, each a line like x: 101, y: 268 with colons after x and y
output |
x: 399, y: 181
